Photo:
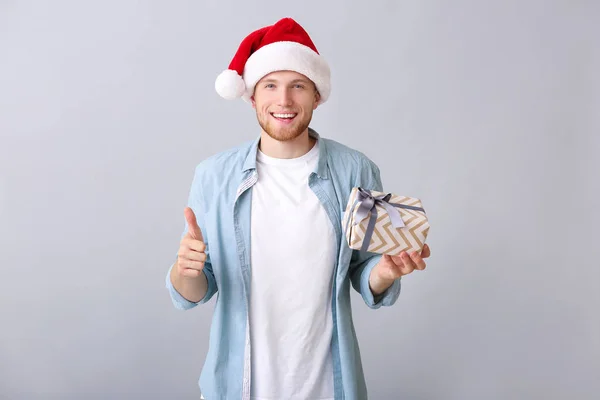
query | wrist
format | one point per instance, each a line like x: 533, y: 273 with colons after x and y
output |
x: 379, y: 285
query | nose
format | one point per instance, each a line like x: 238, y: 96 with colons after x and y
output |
x: 285, y: 97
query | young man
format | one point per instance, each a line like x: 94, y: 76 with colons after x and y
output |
x: 263, y: 230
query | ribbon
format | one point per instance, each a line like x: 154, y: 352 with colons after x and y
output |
x: 366, y: 203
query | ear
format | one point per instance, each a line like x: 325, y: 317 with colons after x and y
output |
x: 317, y: 100
x: 253, y: 102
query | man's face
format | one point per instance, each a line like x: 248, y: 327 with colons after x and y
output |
x: 284, y: 102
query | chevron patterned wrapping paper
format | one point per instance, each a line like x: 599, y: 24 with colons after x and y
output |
x: 379, y: 228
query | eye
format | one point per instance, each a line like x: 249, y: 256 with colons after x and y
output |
x: 299, y: 86
x: 269, y: 86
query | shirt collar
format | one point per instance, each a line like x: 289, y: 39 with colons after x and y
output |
x: 321, y: 170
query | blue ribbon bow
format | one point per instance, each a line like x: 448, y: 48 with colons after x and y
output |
x: 367, y: 202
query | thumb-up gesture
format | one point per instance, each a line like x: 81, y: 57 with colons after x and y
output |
x: 191, y: 255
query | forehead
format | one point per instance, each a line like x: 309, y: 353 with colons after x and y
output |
x: 285, y: 76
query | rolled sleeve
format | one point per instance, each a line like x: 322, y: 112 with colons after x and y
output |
x: 386, y: 298
x: 180, y: 302
x: 360, y: 274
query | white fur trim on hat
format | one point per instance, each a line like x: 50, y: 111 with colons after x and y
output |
x: 287, y: 56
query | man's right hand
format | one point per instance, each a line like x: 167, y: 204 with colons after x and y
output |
x: 191, y: 255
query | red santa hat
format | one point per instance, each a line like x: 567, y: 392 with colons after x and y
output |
x: 284, y: 46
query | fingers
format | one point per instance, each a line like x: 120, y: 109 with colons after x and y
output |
x: 426, y: 252
x: 402, y: 264
x: 190, y: 267
x: 191, y: 273
x: 409, y: 265
x: 193, y: 228
x: 406, y: 263
x: 193, y: 244
x: 417, y: 261
x: 185, y: 263
x: 192, y: 255
x: 192, y: 250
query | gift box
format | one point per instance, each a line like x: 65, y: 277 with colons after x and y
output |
x: 384, y: 223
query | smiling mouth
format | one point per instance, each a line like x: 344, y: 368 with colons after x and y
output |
x: 284, y: 117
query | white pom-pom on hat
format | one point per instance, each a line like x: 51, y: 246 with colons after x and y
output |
x: 230, y: 85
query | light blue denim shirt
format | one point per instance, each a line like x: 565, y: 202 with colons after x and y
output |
x: 221, y: 195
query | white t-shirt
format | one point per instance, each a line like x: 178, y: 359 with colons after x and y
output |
x: 292, y: 257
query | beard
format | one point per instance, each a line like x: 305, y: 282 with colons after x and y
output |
x: 284, y: 133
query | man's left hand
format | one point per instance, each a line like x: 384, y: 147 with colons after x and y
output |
x: 390, y: 268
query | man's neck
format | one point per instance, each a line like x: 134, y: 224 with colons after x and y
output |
x: 288, y: 149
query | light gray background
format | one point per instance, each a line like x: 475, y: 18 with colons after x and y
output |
x: 487, y: 111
